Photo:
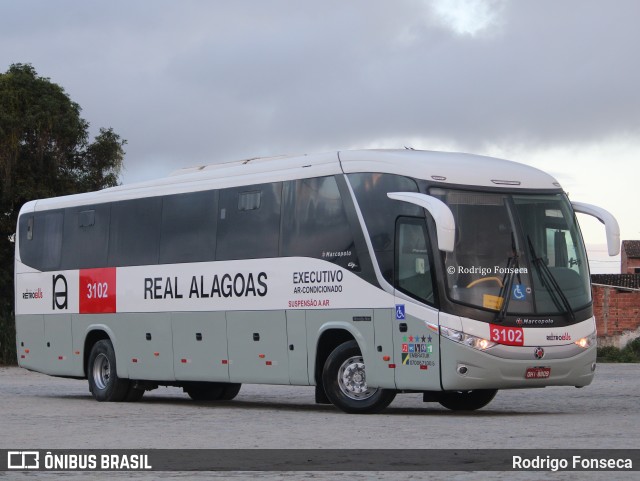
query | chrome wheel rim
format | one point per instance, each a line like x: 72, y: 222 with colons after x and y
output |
x: 353, y: 380
x: 101, y: 371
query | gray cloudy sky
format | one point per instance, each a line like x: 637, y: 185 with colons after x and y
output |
x: 553, y: 84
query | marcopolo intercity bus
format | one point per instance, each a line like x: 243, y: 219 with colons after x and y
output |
x: 362, y: 273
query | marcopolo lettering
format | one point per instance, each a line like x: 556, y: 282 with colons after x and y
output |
x: 202, y: 287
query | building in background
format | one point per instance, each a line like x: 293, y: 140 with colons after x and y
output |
x: 616, y: 299
x: 630, y: 257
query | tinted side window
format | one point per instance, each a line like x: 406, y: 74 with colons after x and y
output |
x: 134, y: 236
x: 188, y: 228
x: 315, y: 223
x: 86, y: 236
x: 28, y: 251
x: 380, y: 212
x: 41, y: 239
x: 413, y: 269
x: 249, y: 222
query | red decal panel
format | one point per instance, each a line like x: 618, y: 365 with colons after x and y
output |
x: 97, y: 290
x: 509, y: 336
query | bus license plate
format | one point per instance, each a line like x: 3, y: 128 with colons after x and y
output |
x: 537, y: 373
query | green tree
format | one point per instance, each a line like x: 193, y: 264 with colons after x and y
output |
x: 44, y: 152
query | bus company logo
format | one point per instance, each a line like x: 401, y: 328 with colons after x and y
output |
x: 533, y: 322
x: 60, y: 292
x: 23, y: 460
x: 29, y: 294
x: 555, y: 337
x: 538, y: 353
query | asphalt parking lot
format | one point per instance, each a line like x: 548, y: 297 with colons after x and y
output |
x: 42, y: 412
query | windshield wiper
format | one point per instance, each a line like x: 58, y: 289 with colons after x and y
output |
x: 507, y: 280
x: 545, y: 273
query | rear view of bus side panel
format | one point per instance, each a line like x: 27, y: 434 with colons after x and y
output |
x: 59, y: 357
x: 258, y: 347
x: 147, y: 345
x: 86, y: 329
x: 200, y: 346
x: 30, y: 341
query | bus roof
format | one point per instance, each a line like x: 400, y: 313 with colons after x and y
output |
x: 444, y: 167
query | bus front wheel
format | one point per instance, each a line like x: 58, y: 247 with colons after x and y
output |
x: 104, y: 383
x: 467, y: 400
x: 345, y: 383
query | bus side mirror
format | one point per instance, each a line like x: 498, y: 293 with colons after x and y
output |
x: 611, y: 226
x: 445, y: 223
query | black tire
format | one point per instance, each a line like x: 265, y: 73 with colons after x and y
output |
x: 344, y: 382
x: 204, y: 391
x: 104, y: 383
x: 230, y: 391
x: 467, y: 400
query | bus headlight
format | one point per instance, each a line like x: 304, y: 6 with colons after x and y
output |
x: 466, y: 339
x: 586, y: 342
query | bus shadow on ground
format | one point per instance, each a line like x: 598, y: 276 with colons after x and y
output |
x: 427, y: 409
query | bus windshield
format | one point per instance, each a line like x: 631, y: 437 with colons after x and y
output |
x: 516, y: 253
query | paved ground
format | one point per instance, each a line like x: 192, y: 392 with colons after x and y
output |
x: 42, y: 412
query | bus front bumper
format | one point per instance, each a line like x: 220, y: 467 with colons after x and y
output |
x: 465, y: 368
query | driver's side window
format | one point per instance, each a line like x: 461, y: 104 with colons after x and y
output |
x: 413, y: 260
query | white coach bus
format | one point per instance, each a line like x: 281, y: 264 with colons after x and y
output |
x: 362, y: 273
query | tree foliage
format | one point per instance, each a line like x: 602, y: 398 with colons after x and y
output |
x: 44, y: 152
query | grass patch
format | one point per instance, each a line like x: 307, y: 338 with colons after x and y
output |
x: 630, y: 353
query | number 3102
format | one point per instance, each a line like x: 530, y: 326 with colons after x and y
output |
x: 97, y: 290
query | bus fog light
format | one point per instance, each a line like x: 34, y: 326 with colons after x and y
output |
x: 463, y: 370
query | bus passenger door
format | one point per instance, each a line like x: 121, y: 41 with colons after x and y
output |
x: 415, y: 327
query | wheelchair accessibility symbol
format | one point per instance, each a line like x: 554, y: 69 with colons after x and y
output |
x: 519, y: 292
x: 400, y: 311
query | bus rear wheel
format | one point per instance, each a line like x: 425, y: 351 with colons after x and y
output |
x: 467, y: 400
x: 134, y: 394
x: 230, y: 391
x: 345, y: 383
x: 104, y: 383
